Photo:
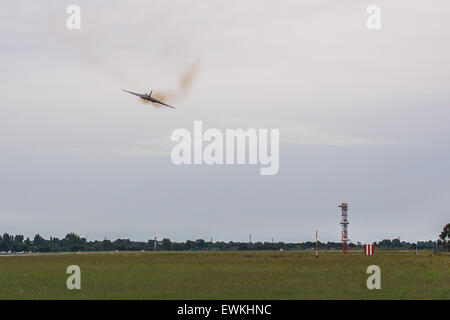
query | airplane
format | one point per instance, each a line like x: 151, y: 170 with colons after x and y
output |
x: 148, y: 97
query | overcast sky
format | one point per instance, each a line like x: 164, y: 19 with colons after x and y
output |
x: 363, y: 118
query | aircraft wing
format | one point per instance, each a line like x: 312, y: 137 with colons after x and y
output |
x: 157, y: 101
x: 136, y: 94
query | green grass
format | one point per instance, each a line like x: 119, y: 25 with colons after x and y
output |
x: 226, y: 275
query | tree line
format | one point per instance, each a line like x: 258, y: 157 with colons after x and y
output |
x: 73, y: 242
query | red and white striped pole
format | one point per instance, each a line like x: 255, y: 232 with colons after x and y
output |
x: 369, y: 249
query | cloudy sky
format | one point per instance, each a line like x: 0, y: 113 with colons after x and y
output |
x: 363, y: 118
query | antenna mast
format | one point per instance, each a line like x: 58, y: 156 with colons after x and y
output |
x: 344, y: 225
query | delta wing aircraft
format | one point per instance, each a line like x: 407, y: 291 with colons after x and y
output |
x: 148, y: 97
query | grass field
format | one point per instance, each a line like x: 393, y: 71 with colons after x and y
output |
x: 226, y: 275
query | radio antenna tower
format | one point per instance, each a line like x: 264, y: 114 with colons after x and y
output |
x: 344, y: 225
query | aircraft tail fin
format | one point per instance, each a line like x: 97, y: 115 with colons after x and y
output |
x: 150, y: 93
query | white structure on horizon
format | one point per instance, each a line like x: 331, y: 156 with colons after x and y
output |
x: 344, y: 226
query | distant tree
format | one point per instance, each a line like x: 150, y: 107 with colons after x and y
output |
x: 445, y: 234
x: 166, y: 244
x: 72, y: 242
x: 123, y: 245
x: 200, y: 244
x: 242, y: 246
x: 107, y: 245
x: 3, y: 246
x: 28, y: 242
x: 258, y: 245
x: 38, y: 240
x: 177, y: 246
x: 7, y: 239
x: 385, y: 243
x: 150, y: 244
x: 19, y: 246
x: 396, y: 243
